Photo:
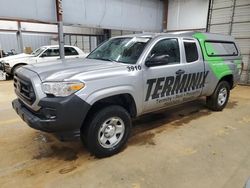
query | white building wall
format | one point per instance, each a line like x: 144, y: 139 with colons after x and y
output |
x: 8, y: 40
x: 145, y: 15
x: 187, y: 14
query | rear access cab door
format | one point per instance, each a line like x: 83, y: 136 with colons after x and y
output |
x: 181, y: 79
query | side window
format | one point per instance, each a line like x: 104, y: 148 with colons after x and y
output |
x: 221, y: 48
x: 191, y: 51
x: 70, y: 51
x: 168, y: 47
x: 51, y: 52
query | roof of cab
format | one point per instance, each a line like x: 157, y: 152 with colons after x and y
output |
x: 196, y: 34
x: 55, y: 46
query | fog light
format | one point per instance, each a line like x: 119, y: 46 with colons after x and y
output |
x: 49, y: 113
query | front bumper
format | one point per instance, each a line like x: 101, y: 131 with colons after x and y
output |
x: 57, y: 114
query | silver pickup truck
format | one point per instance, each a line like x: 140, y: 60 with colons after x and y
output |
x: 128, y: 76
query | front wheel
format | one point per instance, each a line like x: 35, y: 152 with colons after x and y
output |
x: 107, y: 131
x: 218, y: 100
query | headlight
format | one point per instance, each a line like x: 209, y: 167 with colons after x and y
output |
x: 62, y: 89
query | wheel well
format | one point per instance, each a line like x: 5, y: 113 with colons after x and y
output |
x: 19, y: 64
x: 229, y: 79
x: 124, y: 100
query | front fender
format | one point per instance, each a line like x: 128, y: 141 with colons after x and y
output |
x: 112, y: 91
x: 17, y: 64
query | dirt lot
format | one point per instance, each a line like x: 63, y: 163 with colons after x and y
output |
x: 187, y: 147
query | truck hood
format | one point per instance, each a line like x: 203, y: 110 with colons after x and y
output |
x: 25, y: 59
x: 12, y: 57
x: 76, y: 69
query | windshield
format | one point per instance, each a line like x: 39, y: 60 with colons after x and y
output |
x: 38, y: 51
x: 124, y: 50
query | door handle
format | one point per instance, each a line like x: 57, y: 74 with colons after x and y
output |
x: 180, y: 71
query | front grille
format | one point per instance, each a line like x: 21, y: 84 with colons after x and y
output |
x: 24, y: 89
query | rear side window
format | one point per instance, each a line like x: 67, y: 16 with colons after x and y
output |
x: 220, y: 48
x: 70, y: 51
x: 191, y: 51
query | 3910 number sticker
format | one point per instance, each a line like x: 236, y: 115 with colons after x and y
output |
x: 134, y: 68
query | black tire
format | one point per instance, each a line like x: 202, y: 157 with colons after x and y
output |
x: 213, y: 101
x: 9, y: 77
x: 92, y: 130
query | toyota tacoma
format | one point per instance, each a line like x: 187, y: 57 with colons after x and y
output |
x: 127, y: 76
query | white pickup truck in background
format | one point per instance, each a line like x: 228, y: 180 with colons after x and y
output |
x: 43, y: 54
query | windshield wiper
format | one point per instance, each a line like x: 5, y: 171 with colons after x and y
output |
x: 106, y: 59
x: 112, y: 60
x: 116, y: 61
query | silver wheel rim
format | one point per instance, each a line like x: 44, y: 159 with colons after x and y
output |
x: 111, y: 132
x: 222, y: 97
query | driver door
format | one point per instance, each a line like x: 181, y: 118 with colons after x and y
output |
x: 167, y: 82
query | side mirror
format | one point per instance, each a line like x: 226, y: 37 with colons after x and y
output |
x: 157, y: 60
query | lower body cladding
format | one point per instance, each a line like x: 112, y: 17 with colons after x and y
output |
x: 61, y: 116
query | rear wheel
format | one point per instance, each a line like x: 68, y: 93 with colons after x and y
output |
x: 218, y: 100
x: 107, y: 131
